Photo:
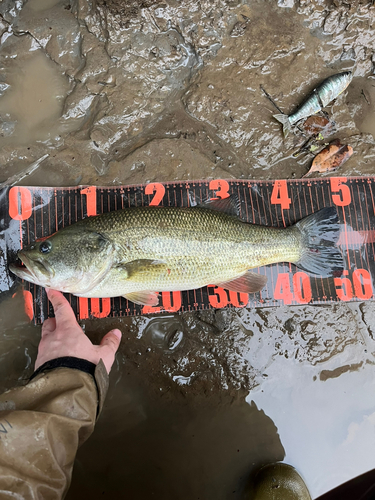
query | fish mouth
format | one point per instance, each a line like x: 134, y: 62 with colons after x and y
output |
x: 33, y: 270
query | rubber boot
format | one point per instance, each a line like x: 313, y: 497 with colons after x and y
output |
x: 279, y: 481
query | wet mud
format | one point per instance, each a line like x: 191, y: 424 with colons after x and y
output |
x: 129, y: 92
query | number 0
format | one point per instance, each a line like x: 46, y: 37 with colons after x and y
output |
x: 20, y: 203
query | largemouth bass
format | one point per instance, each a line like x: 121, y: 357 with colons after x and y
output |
x: 138, y: 252
x: 320, y: 97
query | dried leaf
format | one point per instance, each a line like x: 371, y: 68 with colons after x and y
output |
x: 318, y: 125
x: 331, y: 157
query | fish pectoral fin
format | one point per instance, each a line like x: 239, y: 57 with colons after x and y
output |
x: 247, y: 283
x: 142, y: 266
x: 145, y: 298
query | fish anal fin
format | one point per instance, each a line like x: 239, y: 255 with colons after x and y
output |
x: 145, y: 298
x: 247, y: 283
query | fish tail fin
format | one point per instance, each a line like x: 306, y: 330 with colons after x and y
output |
x: 320, y: 232
x: 284, y: 119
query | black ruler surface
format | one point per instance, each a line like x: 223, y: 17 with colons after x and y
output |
x: 30, y: 213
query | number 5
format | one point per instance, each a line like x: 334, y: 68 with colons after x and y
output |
x: 344, y: 197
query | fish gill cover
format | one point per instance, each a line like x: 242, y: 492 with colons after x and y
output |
x: 31, y: 213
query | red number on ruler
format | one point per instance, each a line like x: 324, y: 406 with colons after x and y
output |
x: 219, y: 298
x: 100, y: 308
x: 220, y: 187
x: 20, y: 203
x: 83, y: 308
x: 344, y: 288
x: 158, y: 189
x: 171, y: 305
x: 170, y: 302
x: 151, y: 309
x: 238, y: 299
x: 280, y: 195
x: 362, y: 284
x: 90, y: 193
x: 337, y: 186
x: 282, y: 289
x: 302, y: 288
x: 29, y: 309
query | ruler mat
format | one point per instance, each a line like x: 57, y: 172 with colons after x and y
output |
x: 30, y: 213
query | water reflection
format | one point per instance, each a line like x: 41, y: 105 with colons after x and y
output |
x: 169, y: 445
x: 165, y: 333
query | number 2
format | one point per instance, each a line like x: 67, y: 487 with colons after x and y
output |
x: 158, y: 189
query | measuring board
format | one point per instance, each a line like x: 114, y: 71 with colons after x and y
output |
x: 30, y: 213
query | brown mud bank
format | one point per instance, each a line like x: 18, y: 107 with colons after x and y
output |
x: 130, y: 92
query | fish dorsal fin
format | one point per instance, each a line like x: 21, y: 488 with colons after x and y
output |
x: 247, y: 283
x: 230, y: 206
x: 142, y: 266
x: 145, y: 298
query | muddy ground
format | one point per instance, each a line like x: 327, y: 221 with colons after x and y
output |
x: 129, y: 92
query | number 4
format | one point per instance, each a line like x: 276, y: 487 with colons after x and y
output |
x: 280, y: 195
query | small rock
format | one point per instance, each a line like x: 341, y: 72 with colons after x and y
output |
x: 289, y: 4
x: 238, y: 29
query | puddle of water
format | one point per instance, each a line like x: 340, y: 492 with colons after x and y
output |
x: 31, y: 107
x: 171, y: 446
x: 326, y: 428
x: 18, y: 341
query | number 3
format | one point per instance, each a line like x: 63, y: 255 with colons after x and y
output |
x: 220, y: 187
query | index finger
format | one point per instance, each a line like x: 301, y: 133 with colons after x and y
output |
x: 63, y: 310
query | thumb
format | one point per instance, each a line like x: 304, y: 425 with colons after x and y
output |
x: 63, y: 310
x: 48, y: 326
x: 108, y: 347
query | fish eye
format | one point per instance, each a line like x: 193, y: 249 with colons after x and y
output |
x: 45, y: 247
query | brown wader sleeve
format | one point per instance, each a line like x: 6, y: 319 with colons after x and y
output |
x: 41, y: 427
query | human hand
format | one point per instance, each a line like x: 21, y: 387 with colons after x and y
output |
x: 62, y: 336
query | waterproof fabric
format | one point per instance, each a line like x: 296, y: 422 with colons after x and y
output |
x: 42, y: 424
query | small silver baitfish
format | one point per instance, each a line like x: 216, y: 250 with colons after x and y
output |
x: 317, y: 100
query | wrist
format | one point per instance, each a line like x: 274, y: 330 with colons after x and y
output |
x: 66, y: 362
x: 98, y: 373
